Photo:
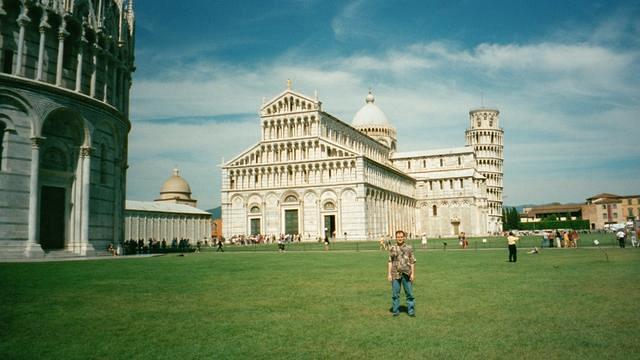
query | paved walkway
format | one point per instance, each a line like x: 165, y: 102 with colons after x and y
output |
x: 78, y: 258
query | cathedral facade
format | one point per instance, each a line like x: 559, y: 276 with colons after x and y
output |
x: 65, y: 74
x: 315, y: 175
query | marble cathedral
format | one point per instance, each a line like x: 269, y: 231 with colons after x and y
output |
x: 315, y: 175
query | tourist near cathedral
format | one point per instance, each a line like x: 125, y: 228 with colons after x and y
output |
x: 316, y: 176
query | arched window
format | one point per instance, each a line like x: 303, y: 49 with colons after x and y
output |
x: 254, y: 210
x: 434, y: 210
x: 329, y: 206
x: 290, y: 198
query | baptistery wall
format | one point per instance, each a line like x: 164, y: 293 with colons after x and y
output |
x: 65, y: 75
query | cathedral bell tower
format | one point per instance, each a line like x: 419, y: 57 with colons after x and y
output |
x: 487, y: 138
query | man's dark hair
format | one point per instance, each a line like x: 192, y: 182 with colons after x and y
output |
x: 402, y: 232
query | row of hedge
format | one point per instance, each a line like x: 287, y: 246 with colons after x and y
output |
x: 567, y: 224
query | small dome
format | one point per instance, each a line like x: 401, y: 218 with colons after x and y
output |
x: 370, y: 115
x: 175, y: 184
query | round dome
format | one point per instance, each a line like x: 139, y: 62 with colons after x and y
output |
x: 370, y: 115
x: 175, y: 184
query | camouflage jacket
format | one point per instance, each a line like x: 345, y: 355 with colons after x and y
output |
x: 401, y: 259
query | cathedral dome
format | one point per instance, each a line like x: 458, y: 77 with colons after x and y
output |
x: 370, y: 115
x: 176, y: 186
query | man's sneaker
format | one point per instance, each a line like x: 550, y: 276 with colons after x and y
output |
x: 395, y: 314
x: 412, y: 315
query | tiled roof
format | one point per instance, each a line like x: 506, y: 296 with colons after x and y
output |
x: 133, y: 205
x: 437, y: 152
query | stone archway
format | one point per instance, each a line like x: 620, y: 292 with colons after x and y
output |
x: 63, y: 178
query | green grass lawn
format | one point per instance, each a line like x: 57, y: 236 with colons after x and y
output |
x: 560, y: 304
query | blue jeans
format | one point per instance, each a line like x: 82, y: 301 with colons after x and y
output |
x: 408, y: 291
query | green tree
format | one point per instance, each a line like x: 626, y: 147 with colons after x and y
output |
x: 514, y: 219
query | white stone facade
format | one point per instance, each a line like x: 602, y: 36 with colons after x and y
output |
x: 65, y: 73
x: 315, y: 175
x: 164, y: 221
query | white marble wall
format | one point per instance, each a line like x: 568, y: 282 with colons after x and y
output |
x: 165, y: 226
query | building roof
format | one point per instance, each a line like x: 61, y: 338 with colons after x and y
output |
x: 436, y: 152
x: 133, y: 205
x: 554, y: 209
x: 175, y: 184
x: 370, y: 115
x: 446, y: 174
x: 603, y: 195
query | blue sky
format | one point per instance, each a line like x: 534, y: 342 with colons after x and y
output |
x: 565, y: 76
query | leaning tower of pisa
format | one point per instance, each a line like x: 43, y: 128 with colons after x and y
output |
x: 487, y: 139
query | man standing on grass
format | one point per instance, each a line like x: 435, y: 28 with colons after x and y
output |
x: 513, y: 251
x: 401, y: 271
x: 621, y: 235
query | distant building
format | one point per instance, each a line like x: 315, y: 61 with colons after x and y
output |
x: 561, y: 212
x: 216, y: 229
x: 65, y: 75
x: 604, y: 209
x: 173, y: 215
x: 315, y: 175
x: 600, y: 210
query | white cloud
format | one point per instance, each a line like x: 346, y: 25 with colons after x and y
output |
x: 344, y: 25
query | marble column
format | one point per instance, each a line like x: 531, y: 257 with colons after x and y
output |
x: 85, y: 153
x: 105, y: 89
x: 62, y: 34
x: 81, y: 45
x: 114, y: 85
x: 23, y: 21
x: 32, y: 248
x: 95, y: 50
x: 44, y: 25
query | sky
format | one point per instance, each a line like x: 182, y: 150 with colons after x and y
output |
x: 565, y: 76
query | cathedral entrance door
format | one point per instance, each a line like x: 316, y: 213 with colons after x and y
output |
x: 52, y: 213
x: 329, y: 226
x: 255, y: 226
x: 456, y: 228
x: 291, y: 222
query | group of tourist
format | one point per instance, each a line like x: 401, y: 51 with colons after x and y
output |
x: 241, y: 239
x: 140, y: 246
x: 622, y: 235
x: 564, y: 239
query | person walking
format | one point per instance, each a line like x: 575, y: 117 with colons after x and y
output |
x: 401, y: 272
x: 621, y: 235
x: 513, y: 251
x: 220, y: 249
